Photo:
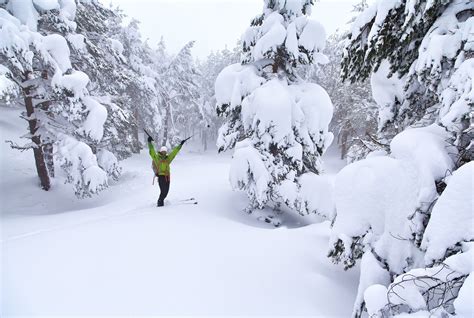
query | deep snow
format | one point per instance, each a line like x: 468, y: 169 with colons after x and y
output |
x: 119, y: 254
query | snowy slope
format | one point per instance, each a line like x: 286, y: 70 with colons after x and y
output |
x: 119, y: 254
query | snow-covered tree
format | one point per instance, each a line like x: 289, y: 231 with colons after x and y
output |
x: 431, y: 279
x: 100, y: 54
x: 59, y: 110
x: 209, y: 69
x: 390, y: 207
x: 9, y: 91
x: 143, y: 90
x: 277, y: 122
x: 383, y: 205
x: 354, y: 120
x: 179, y: 91
x: 418, y: 55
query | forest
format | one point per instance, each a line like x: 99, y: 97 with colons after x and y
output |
x: 309, y: 166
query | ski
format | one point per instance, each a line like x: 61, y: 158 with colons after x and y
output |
x: 189, y: 201
x: 185, y: 202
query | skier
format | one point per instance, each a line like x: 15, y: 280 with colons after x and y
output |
x: 161, y: 166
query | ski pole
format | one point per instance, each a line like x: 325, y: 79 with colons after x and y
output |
x: 146, y: 132
x: 189, y: 138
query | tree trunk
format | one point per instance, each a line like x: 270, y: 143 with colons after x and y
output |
x: 41, y: 167
x: 136, y: 138
x: 204, y: 139
x: 344, y: 146
x: 275, y: 67
x: 48, y: 145
x: 166, y: 125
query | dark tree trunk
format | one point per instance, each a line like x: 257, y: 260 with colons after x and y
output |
x: 48, y: 146
x: 41, y: 167
x: 275, y: 67
x: 204, y: 139
x: 344, y: 145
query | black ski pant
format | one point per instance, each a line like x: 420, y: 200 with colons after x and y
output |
x: 164, y: 182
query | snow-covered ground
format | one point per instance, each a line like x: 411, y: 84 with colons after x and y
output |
x: 119, y: 254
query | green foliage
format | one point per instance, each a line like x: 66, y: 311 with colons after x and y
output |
x: 397, y: 40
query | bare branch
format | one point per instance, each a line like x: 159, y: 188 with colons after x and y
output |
x: 21, y: 148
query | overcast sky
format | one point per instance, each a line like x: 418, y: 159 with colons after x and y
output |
x: 213, y: 24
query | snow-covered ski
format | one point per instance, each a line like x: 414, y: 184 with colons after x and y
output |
x: 189, y: 201
x: 184, y: 202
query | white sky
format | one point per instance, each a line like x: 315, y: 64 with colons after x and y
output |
x: 213, y: 24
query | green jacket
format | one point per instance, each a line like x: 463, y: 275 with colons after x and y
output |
x: 161, y: 161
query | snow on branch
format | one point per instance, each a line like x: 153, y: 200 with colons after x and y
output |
x: 25, y: 147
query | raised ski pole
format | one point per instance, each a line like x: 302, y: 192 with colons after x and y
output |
x: 146, y: 132
x: 189, y: 138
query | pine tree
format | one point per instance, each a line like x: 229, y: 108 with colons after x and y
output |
x: 101, y: 57
x: 143, y: 90
x: 59, y: 110
x: 179, y: 92
x: 417, y: 48
x: 354, y: 121
x: 418, y: 55
x: 209, y: 70
x: 277, y: 122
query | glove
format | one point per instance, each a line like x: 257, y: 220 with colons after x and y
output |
x: 182, y: 142
x: 150, y: 139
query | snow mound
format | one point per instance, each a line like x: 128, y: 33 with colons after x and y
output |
x: 463, y: 303
x: 81, y: 165
x: 274, y: 34
x: 375, y: 298
x: 285, y: 26
x: 117, y: 47
x: 93, y: 126
x: 367, y: 192
x: 235, y: 82
x: 74, y: 82
x: 247, y: 158
x: 57, y: 47
x: 376, y: 196
x: 371, y: 274
x: 25, y: 11
x: 68, y: 9
x: 452, y: 216
x: 427, y: 149
x: 313, y: 36
x: 77, y: 41
x: 314, y: 114
x: 6, y: 85
x: 46, y: 5
x: 316, y: 194
x: 11, y: 37
x: 268, y: 111
x: 109, y: 163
